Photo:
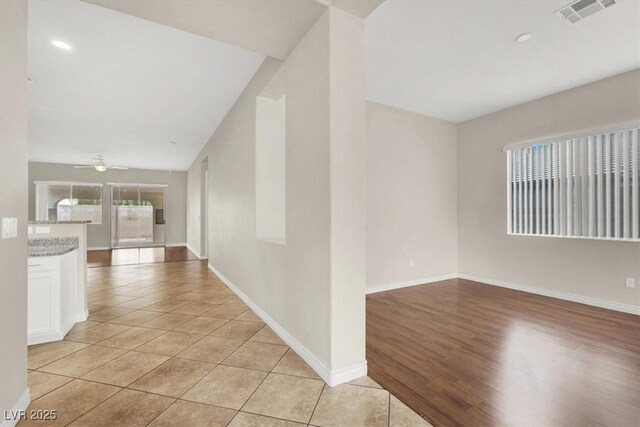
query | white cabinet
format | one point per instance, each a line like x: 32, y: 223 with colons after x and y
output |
x: 51, y: 297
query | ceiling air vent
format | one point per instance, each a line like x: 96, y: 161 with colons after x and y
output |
x: 581, y: 9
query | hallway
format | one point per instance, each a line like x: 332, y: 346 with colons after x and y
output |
x: 169, y: 344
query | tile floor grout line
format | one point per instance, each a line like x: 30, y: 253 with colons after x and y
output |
x: 93, y: 407
x: 128, y: 387
x: 161, y: 412
x: 389, y: 412
x: 316, y: 405
x: 272, y: 417
x: 48, y: 363
x: 261, y: 382
x: 207, y: 374
x: 102, y: 340
x: 99, y: 366
x: 50, y: 391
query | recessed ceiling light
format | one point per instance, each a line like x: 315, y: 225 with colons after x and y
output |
x: 172, y: 142
x: 523, y: 37
x: 61, y: 45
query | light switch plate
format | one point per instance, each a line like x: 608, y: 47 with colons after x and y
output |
x: 9, y: 228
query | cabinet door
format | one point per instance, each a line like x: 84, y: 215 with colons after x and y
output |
x: 44, y: 302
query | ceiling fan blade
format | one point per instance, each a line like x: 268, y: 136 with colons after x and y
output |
x: 83, y: 166
x: 117, y: 167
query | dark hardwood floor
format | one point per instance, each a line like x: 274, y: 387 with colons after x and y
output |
x: 464, y: 353
x: 129, y: 256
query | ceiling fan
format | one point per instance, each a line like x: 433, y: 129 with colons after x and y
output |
x: 100, y: 165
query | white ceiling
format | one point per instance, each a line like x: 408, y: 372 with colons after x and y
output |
x: 126, y: 88
x: 456, y: 60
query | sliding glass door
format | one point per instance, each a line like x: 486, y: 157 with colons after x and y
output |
x: 137, y: 215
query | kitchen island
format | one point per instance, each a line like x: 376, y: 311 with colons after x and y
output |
x: 53, y: 288
x: 72, y: 228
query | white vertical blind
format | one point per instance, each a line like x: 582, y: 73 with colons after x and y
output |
x: 635, y: 171
x: 562, y: 189
x: 510, y: 183
x: 569, y: 171
x: 600, y: 185
x: 626, y: 217
x: 616, y: 186
x: 583, y: 186
x: 607, y: 168
x: 590, y: 215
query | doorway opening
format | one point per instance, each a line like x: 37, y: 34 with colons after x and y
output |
x: 204, y: 209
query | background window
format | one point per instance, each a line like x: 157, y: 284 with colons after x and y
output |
x: 69, y: 201
x: 584, y: 186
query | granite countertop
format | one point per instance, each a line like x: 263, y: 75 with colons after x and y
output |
x: 52, y: 246
x: 60, y: 222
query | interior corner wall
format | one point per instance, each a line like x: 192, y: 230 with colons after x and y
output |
x: 290, y: 283
x: 590, y: 268
x: 13, y: 204
x: 411, y: 213
x: 98, y: 235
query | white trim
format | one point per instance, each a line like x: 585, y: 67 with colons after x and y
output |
x: 21, y: 405
x: 408, y: 283
x: 44, y: 337
x: 581, y: 134
x: 332, y: 378
x: 135, y: 184
x: 341, y: 376
x: 84, y: 315
x: 99, y: 248
x: 169, y: 245
x: 611, y: 239
x: 88, y: 184
x: 596, y: 302
x: 196, y: 253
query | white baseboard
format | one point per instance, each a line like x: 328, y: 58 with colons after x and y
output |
x: 82, y: 315
x: 33, y: 339
x: 332, y: 378
x: 11, y: 417
x: 196, y: 253
x: 413, y: 282
x: 169, y: 245
x: 596, y: 302
x: 99, y: 248
x: 341, y: 376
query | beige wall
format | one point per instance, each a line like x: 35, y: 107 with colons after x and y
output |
x: 13, y: 202
x: 590, y: 268
x: 293, y: 283
x: 98, y: 234
x: 347, y: 188
x: 411, y: 197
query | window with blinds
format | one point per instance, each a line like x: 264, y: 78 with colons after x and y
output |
x: 584, y: 186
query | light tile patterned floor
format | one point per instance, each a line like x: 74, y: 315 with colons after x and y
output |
x: 171, y: 345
